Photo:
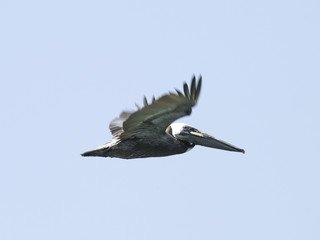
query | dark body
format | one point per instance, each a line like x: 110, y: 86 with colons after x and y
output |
x: 150, y: 131
x: 164, y: 145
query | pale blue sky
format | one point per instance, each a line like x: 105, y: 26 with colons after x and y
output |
x: 69, y: 67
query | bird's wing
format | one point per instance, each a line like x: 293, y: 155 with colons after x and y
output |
x: 116, y: 125
x: 153, y: 119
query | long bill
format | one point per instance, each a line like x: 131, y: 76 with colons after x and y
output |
x: 203, y: 139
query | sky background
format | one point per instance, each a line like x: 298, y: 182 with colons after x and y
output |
x: 69, y: 67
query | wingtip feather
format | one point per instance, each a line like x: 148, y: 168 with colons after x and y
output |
x: 198, y: 88
x: 137, y: 106
x: 193, y: 88
x: 186, y: 90
x: 145, y: 101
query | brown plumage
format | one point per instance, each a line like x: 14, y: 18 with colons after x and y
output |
x: 143, y: 133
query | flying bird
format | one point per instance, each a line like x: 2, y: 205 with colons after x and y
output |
x: 150, y: 131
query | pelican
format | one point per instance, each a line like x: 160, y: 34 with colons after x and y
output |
x: 150, y: 131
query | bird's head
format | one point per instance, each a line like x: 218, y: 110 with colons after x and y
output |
x: 192, y: 135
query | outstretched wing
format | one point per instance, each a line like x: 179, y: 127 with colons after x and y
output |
x: 153, y: 119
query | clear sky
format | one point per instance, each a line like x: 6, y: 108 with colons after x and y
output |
x: 69, y: 67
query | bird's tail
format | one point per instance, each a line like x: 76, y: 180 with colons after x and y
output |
x: 99, y: 152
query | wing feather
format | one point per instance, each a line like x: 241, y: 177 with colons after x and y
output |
x: 186, y: 90
x: 198, y: 88
x: 116, y: 125
x: 193, y: 87
x: 145, y: 101
x: 179, y: 93
x: 153, y: 119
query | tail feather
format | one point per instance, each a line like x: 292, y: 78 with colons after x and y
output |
x: 100, y: 152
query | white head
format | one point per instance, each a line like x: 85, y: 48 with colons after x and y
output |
x: 186, y: 133
x: 178, y: 128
